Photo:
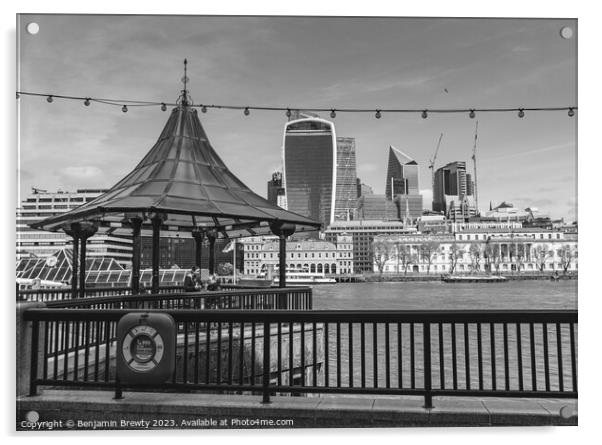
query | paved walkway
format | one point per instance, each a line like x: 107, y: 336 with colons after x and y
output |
x: 246, y: 411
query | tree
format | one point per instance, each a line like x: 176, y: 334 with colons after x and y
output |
x: 225, y: 269
x: 541, y: 254
x: 456, y: 252
x: 518, y: 253
x: 476, y: 253
x: 427, y: 251
x: 566, y: 254
x: 404, y: 256
x: 382, y: 254
x: 496, y: 256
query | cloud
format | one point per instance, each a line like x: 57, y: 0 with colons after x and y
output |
x: 87, y: 172
x: 534, y: 151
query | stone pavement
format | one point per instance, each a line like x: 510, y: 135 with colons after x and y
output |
x: 169, y: 410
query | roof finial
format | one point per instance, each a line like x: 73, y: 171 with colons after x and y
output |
x: 184, y: 97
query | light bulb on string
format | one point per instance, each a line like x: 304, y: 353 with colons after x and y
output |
x: 333, y: 114
x: 425, y: 114
x: 124, y: 108
x: 87, y: 102
x: 49, y: 99
x: 203, y: 109
x: 246, y: 112
x: 377, y: 115
x: 472, y: 114
x: 571, y: 112
x: 288, y: 112
x: 18, y: 95
x: 521, y: 113
x: 163, y: 107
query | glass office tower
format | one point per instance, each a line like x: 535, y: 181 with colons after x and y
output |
x: 310, y: 168
x: 346, y: 190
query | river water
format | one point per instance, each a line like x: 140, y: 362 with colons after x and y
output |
x: 448, y: 296
x: 414, y: 295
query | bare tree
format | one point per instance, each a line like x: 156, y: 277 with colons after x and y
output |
x: 476, y: 253
x: 456, y: 252
x: 404, y: 257
x: 496, y: 257
x: 541, y: 254
x: 566, y: 254
x: 518, y: 254
x: 382, y: 253
x: 427, y: 251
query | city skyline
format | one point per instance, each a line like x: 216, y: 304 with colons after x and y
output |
x: 364, y: 62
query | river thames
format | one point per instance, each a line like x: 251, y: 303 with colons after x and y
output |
x: 431, y: 295
x: 511, y: 295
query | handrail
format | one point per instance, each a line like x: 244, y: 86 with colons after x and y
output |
x: 426, y: 353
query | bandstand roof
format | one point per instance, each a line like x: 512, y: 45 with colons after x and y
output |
x: 183, y: 179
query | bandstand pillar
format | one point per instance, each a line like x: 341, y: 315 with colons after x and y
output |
x: 211, y: 236
x: 199, y: 236
x: 156, y: 221
x: 87, y: 229
x: 282, y: 230
x: 136, y: 223
x: 73, y: 230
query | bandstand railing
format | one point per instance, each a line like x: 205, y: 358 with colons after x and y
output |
x: 421, y: 353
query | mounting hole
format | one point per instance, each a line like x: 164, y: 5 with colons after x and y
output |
x: 566, y: 32
x: 33, y: 28
x: 567, y: 411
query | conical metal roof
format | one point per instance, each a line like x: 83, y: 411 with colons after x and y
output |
x: 183, y: 179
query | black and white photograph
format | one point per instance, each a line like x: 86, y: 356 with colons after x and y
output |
x: 288, y: 222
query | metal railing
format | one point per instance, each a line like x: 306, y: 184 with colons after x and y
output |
x: 421, y: 353
x: 60, y: 294
x: 293, y: 298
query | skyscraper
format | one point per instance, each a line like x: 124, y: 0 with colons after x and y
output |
x: 402, y: 174
x: 275, y: 189
x: 346, y: 179
x: 402, y: 184
x: 453, y: 193
x: 310, y: 168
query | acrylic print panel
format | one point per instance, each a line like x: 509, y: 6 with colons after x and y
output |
x: 315, y: 222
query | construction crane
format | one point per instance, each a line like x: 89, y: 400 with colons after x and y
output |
x: 474, y: 160
x: 432, y: 165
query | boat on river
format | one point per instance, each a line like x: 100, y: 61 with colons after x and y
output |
x: 474, y: 279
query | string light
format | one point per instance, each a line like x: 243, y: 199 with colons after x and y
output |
x: 124, y: 108
x: 247, y: 108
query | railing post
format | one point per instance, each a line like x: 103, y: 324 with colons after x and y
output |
x: 30, y: 349
x: 266, y: 362
x: 426, y: 335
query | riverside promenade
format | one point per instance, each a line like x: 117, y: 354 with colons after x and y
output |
x: 72, y: 410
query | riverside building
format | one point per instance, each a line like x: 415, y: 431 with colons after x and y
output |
x: 362, y: 233
x: 315, y: 256
x: 42, y: 204
x: 495, y: 250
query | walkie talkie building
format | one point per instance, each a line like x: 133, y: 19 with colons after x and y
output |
x: 310, y: 168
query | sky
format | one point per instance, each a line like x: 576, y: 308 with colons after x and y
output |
x: 305, y: 62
